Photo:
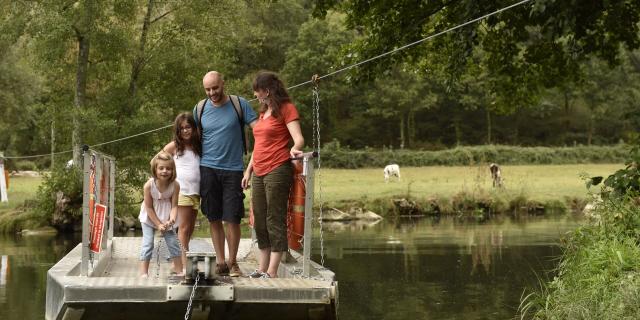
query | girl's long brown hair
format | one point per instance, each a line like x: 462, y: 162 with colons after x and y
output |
x: 269, y: 81
x: 195, y: 135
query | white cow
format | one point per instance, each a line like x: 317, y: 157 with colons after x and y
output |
x: 391, y: 170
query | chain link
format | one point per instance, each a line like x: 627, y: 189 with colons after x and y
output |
x: 193, y: 293
x: 316, y: 147
x: 158, y: 258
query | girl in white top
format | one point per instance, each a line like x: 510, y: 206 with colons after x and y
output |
x: 159, y: 211
x: 185, y: 149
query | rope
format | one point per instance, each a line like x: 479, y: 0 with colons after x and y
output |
x: 411, y: 44
x: 91, y: 146
x: 320, y: 77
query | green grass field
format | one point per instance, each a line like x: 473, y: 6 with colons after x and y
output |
x: 536, y: 182
x: 20, y: 189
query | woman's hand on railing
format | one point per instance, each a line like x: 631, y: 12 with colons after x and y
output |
x: 295, y: 152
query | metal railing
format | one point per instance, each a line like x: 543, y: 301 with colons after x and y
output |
x: 98, y: 189
x: 307, y: 172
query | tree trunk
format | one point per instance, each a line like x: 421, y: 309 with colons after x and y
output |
x: 591, y: 125
x: 567, y: 107
x: 80, y: 97
x: 53, y: 142
x: 402, y: 136
x: 458, y: 130
x: 138, y: 61
x: 635, y: 60
x: 590, y: 133
x: 488, y: 126
x: 411, y: 129
x: 83, y: 37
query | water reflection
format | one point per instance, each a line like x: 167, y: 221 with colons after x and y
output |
x: 4, y: 274
x: 23, y: 272
x: 403, y: 269
x: 440, y: 269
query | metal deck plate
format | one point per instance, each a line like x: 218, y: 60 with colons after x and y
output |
x: 117, y: 281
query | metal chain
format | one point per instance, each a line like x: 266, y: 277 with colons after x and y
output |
x: 316, y: 147
x: 158, y: 258
x: 193, y: 293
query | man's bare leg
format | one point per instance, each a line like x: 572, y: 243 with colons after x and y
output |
x: 233, y: 241
x: 217, y: 237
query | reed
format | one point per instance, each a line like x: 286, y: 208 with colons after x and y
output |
x: 598, y: 276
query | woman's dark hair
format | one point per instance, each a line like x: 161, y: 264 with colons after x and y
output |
x: 269, y: 81
x: 195, y: 134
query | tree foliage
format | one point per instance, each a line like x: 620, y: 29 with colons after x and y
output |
x: 539, y: 44
x: 544, y: 73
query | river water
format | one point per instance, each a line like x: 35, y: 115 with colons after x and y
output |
x: 404, y: 269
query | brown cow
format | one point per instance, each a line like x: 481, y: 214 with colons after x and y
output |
x: 496, y: 176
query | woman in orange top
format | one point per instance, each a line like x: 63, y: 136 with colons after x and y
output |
x: 271, y: 168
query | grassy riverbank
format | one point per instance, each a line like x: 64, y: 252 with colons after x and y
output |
x: 20, y: 189
x: 598, y: 276
x: 12, y: 213
x: 533, y: 183
x: 366, y: 187
x: 538, y: 182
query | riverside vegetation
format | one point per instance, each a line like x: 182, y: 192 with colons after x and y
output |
x: 547, y: 184
x: 598, y: 276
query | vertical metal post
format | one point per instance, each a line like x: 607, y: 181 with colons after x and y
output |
x: 106, y: 162
x: 112, y: 195
x: 307, y: 172
x: 84, y: 266
x: 4, y: 192
x: 98, y: 186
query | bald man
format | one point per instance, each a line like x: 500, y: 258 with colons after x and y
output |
x: 221, y: 169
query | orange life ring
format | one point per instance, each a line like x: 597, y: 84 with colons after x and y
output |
x: 295, y: 213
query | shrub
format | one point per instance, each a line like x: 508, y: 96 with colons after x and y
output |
x: 25, y: 165
x: 67, y: 181
x: 335, y: 156
x: 599, y: 274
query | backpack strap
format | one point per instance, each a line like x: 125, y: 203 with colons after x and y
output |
x: 236, y: 106
x: 199, y: 111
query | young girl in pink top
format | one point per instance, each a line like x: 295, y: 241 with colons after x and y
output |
x: 159, y: 211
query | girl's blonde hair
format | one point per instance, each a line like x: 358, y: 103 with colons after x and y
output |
x: 163, y: 156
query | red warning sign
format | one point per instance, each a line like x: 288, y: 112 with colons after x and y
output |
x: 97, y: 227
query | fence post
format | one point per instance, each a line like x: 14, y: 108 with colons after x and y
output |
x: 4, y: 197
x: 307, y: 172
x: 112, y: 196
x: 84, y: 265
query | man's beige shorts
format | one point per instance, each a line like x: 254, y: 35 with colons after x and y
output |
x: 192, y: 200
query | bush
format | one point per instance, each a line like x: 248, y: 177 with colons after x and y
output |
x: 69, y: 183
x: 25, y: 165
x: 599, y: 274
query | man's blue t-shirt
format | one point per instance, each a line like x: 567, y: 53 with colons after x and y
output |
x: 221, y: 139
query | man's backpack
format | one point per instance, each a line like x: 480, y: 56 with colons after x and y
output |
x: 236, y: 106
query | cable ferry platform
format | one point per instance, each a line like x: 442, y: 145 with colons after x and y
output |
x: 99, y: 278
x: 114, y: 289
